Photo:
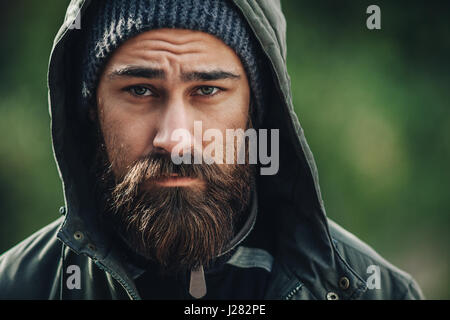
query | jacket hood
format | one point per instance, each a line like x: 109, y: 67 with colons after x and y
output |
x: 290, y: 201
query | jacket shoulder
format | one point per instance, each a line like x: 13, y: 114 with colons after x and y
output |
x: 29, y: 269
x: 383, y: 279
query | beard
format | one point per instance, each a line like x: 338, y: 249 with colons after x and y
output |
x: 181, y: 227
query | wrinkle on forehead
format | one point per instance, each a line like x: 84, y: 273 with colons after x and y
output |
x: 165, y: 48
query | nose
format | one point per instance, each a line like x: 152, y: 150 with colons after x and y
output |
x: 174, y: 129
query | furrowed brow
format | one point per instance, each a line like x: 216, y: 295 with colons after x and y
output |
x: 138, y: 72
x: 208, y: 75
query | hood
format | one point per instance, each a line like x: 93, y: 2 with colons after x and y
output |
x: 290, y: 201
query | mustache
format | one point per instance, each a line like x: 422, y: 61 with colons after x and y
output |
x: 157, y: 165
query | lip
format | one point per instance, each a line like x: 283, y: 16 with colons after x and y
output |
x: 176, y: 181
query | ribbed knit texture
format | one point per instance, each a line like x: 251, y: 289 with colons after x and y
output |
x: 116, y: 21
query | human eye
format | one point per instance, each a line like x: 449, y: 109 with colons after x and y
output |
x: 139, y: 91
x: 207, y: 91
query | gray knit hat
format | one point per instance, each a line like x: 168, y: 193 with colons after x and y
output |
x: 114, y: 21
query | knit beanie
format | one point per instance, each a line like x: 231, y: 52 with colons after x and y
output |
x: 112, y: 22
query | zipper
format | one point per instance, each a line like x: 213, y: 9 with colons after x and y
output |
x: 293, y: 291
x: 132, y: 295
x: 197, y: 283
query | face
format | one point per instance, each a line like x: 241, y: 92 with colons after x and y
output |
x: 163, y: 80
x: 156, y: 83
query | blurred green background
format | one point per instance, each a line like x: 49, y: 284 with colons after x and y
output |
x: 374, y: 106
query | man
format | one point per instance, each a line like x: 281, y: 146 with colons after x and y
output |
x: 136, y: 224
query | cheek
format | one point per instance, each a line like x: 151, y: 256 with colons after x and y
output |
x: 231, y: 114
x: 116, y: 148
x: 235, y: 121
x: 239, y: 112
x: 126, y: 140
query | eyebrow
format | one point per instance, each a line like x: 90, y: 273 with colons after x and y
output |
x: 154, y: 73
x: 208, y: 75
x: 138, y: 72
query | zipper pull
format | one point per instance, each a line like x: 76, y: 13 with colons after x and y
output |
x: 197, y: 286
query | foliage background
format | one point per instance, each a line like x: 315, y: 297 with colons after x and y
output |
x: 374, y: 106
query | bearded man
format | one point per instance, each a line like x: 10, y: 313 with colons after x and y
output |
x: 135, y: 224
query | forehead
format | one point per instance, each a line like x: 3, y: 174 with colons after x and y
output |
x: 168, y: 47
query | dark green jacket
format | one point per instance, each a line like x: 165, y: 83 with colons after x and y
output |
x: 314, y: 258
